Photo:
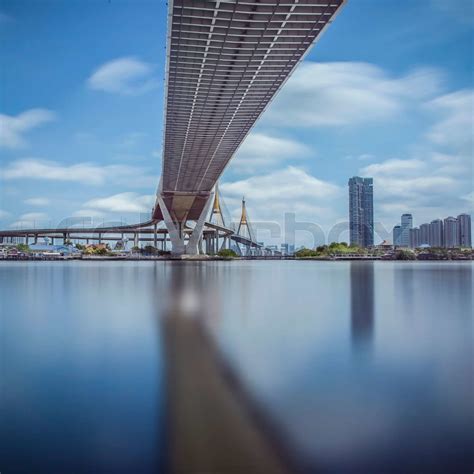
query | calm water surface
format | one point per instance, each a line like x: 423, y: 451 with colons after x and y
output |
x: 361, y: 367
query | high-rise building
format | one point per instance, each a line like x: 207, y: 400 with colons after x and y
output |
x: 414, y: 237
x: 361, y: 211
x: 425, y: 238
x: 451, y: 232
x: 464, y: 229
x: 397, y: 230
x: 406, y: 225
x: 436, y: 233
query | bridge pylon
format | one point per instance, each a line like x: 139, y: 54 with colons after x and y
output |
x: 217, y: 217
x: 244, y: 222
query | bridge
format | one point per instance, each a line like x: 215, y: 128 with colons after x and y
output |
x: 217, y: 234
x: 225, y: 62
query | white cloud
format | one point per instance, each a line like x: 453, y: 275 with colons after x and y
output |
x: 290, y: 190
x: 286, y: 184
x: 454, y: 128
x: 12, y: 128
x: 86, y: 173
x: 38, y: 201
x: 123, y: 202
x: 394, y: 166
x: 437, y: 180
x: 347, y: 93
x: 428, y: 189
x: 126, y: 76
x: 88, y: 213
x: 30, y: 220
x: 263, y: 151
x: 34, y: 216
x: 49, y: 170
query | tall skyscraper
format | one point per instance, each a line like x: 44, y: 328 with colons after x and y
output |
x: 414, y: 238
x: 425, y: 238
x: 406, y: 225
x: 397, y: 230
x: 451, y: 232
x: 361, y: 211
x: 436, y: 233
x: 464, y: 229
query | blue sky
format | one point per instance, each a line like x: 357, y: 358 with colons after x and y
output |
x: 386, y: 92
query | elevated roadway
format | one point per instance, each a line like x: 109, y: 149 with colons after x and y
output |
x: 142, y: 232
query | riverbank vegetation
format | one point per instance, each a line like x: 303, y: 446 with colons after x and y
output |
x: 342, y: 249
x: 227, y: 253
x: 333, y: 249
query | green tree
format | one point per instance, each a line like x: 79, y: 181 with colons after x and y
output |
x: 405, y: 255
x: 228, y: 253
x: 23, y: 248
x: 305, y: 253
x: 150, y: 250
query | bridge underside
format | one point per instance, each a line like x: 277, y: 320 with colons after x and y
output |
x: 225, y: 62
x: 182, y: 206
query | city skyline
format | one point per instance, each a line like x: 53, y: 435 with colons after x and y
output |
x: 450, y: 232
x: 90, y: 145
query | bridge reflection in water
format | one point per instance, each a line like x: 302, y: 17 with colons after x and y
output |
x: 212, y: 423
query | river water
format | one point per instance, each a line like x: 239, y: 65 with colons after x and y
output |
x: 358, y: 366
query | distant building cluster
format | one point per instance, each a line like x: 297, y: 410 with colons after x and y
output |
x: 451, y: 232
x: 285, y: 249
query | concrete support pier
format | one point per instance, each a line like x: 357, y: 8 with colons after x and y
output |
x: 175, y: 228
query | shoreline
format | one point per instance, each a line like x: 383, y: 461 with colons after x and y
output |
x: 227, y: 259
